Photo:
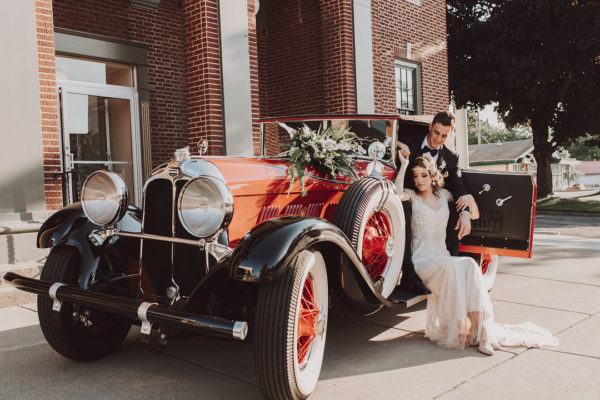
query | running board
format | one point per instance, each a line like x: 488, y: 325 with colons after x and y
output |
x: 403, y: 298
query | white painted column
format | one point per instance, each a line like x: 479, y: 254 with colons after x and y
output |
x: 462, y: 138
x: 237, y: 105
x: 363, y: 57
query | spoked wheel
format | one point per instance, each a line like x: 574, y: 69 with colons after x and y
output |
x: 489, y: 266
x: 291, y: 326
x: 76, y: 332
x: 371, y: 216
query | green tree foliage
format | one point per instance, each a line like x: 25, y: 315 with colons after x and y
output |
x: 539, y: 60
x: 585, y: 149
x: 494, y: 134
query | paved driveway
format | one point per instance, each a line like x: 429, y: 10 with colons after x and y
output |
x: 381, y: 357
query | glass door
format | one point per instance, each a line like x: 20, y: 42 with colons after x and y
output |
x: 100, y: 131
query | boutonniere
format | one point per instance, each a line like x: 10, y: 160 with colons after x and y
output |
x: 442, y: 163
x: 445, y: 174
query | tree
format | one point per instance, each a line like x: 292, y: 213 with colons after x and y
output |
x: 493, y: 134
x: 586, y: 149
x: 539, y: 60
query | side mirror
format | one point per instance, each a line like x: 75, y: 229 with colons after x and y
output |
x: 202, y: 146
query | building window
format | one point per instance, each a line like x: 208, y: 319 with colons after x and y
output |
x: 408, y: 85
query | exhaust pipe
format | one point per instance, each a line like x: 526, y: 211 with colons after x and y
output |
x: 145, y: 312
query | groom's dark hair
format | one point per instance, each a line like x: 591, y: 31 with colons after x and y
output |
x: 445, y: 118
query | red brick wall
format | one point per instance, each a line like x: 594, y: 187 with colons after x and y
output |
x: 306, y: 62
x: 163, y: 31
x: 48, y: 104
x: 338, y: 56
x: 396, y: 22
x: 203, y: 74
x: 290, y: 60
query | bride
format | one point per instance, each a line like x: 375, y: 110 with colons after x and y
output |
x: 459, y: 309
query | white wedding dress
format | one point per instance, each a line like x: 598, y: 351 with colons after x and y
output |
x: 457, y: 287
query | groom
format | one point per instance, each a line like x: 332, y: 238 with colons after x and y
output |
x: 432, y: 145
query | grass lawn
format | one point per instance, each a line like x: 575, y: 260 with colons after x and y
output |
x: 571, y: 204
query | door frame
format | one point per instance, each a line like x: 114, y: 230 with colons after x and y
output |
x: 65, y: 88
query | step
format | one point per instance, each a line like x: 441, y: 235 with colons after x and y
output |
x: 9, y: 295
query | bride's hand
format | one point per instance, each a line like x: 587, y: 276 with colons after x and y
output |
x: 463, y: 225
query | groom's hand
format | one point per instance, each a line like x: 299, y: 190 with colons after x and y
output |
x: 463, y: 226
x: 463, y: 202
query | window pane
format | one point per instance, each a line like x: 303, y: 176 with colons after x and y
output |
x: 74, y: 69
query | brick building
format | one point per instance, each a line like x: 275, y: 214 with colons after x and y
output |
x: 120, y: 84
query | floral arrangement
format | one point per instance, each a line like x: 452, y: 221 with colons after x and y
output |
x: 328, y: 150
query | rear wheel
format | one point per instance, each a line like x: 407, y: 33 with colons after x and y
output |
x: 76, y: 332
x: 291, y: 326
x: 489, y: 266
x: 371, y: 216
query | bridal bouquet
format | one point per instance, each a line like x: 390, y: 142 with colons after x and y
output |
x: 328, y: 150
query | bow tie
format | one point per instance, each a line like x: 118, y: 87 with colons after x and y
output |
x: 433, y: 152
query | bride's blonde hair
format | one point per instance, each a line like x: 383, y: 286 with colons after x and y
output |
x: 437, y: 180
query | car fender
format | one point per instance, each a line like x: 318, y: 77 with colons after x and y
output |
x: 266, y: 251
x: 70, y: 227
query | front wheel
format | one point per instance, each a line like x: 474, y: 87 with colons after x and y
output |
x: 76, y: 332
x: 291, y: 326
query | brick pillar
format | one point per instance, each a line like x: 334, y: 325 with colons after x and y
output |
x: 44, y: 24
x: 254, y: 81
x: 203, y: 75
x: 338, y: 56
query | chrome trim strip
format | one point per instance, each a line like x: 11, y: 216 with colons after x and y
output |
x: 198, y: 243
x: 56, y: 303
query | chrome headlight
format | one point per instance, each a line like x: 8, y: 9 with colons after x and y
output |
x: 104, y: 197
x: 205, y: 206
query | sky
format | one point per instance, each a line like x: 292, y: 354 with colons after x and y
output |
x: 490, y: 115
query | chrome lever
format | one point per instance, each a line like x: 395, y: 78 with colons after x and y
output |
x: 486, y: 188
x: 500, y: 202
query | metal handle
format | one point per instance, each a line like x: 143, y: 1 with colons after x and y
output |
x: 486, y: 188
x: 500, y: 202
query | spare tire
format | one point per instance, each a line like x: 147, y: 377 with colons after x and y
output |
x: 371, y: 215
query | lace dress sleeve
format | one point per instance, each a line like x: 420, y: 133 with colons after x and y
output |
x: 447, y: 195
x: 411, y: 194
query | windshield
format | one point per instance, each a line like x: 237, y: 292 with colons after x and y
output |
x: 276, y: 139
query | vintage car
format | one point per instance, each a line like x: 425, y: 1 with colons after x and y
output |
x: 220, y: 247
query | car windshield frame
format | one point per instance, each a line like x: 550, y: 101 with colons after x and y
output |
x: 374, y: 123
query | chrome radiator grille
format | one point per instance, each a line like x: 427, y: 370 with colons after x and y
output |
x: 163, y: 262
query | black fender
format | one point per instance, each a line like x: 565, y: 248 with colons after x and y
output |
x: 267, y: 250
x: 70, y: 227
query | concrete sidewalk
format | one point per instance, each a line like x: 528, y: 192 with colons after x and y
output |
x: 383, y: 357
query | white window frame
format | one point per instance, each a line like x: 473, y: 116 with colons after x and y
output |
x: 415, y: 70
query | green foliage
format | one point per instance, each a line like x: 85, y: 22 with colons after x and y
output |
x: 494, y: 134
x: 537, y: 59
x: 328, y: 150
x: 585, y: 148
x: 568, y: 205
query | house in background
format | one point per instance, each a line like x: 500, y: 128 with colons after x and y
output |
x: 503, y: 156
x: 590, y: 174
x: 517, y: 156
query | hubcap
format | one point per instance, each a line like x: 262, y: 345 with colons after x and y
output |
x: 378, y: 244
x: 308, y: 321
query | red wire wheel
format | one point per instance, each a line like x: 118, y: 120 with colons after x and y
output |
x: 485, y: 263
x: 307, y: 321
x: 375, y: 237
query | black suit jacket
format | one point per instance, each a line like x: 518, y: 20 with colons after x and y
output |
x: 447, y: 162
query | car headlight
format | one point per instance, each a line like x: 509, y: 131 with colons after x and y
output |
x: 104, y: 197
x: 205, y: 206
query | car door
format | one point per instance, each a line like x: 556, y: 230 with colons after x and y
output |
x: 507, y: 206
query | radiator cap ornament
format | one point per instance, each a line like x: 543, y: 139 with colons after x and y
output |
x: 182, y: 154
x: 202, y: 146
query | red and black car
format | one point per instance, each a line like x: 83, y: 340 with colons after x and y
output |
x: 220, y: 247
